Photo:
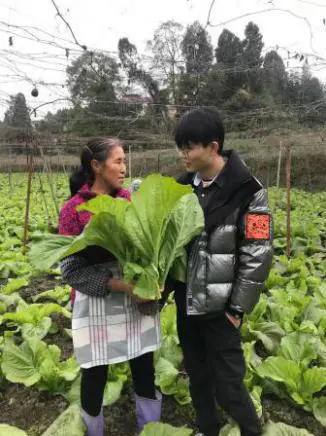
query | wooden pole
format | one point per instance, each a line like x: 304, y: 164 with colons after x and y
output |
x: 130, y: 173
x: 288, y: 200
x: 278, y: 174
x: 158, y: 162
x: 28, y: 195
x: 9, y: 174
x: 47, y: 169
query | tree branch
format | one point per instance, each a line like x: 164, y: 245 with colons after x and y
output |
x: 208, y: 21
x: 263, y: 11
x: 68, y: 25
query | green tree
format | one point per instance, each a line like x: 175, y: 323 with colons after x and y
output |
x: 17, y: 122
x: 252, y: 56
x: 167, y: 55
x: 197, y: 49
x: 274, y: 75
x: 136, y: 73
x: 229, y: 49
x: 17, y: 115
x: 228, y: 55
x: 212, y: 91
x: 57, y: 122
x: 198, y: 54
x: 92, y: 79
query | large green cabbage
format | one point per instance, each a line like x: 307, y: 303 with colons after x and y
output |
x: 147, y: 235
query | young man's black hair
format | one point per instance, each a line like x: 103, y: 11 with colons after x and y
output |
x: 200, y: 126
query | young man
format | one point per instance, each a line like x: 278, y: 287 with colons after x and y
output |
x: 227, y: 266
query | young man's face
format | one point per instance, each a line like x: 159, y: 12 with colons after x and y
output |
x: 197, y: 158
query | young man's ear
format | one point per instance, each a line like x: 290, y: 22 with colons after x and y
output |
x: 215, y: 146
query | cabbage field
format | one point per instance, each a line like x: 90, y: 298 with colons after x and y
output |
x: 284, y: 338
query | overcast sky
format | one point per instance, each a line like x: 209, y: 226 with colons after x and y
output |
x: 100, y: 23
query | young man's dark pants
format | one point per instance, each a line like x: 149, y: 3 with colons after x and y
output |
x: 216, y: 367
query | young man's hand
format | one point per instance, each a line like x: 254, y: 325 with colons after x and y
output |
x: 235, y: 321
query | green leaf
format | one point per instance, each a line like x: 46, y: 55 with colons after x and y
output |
x: 281, y: 370
x: 308, y: 327
x: 180, y: 230
x: 68, y: 423
x: 145, y: 235
x: 319, y: 409
x: 73, y: 395
x: 298, y: 347
x: 68, y: 369
x: 20, y: 363
x: 255, y: 394
x: 55, y: 373
x: 230, y: 430
x: 168, y: 322
x: 165, y: 376
x: 182, y: 395
x: 314, y: 313
x: 159, y: 429
x: 38, y: 331
x: 34, y: 362
x: 269, y: 333
x: 14, y: 285
x: 44, y: 254
x: 259, y: 310
x: 112, y: 392
x: 251, y: 357
x: 171, y: 351
x: 8, y: 430
x: 313, y: 381
x: 178, y: 270
x: 34, y: 313
x: 281, y: 429
x: 61, y: 294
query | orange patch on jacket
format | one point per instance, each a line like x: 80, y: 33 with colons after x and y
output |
x: 258, y: 226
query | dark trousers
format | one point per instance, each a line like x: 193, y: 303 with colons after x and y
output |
x: 93, y: 381
x: 216, y: 367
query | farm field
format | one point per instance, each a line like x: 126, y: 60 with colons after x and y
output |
x: 284, y: 337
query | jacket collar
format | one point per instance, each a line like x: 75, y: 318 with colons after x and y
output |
x: 229, y: 180
x: 86, y: 193
x: 233, y: 176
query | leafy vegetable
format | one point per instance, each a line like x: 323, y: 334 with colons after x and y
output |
x: 301, y: 383
x: 68, y: 423
x: 159, y: 429
x: 61, y: 294
x: 35, y: 363
x: 34, y: 318
x: 146, y: 235
x: 14, y: 285
x: 281, y: 429
x: 8, y: 430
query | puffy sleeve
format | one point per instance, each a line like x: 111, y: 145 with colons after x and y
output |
x: 69, y: 223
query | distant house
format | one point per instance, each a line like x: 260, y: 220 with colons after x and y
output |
x: 137, y: 99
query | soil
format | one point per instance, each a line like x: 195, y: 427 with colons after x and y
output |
x: 29, y: 409
x: 33, y: 412
x: 38, y: 285
x: 279, y: 410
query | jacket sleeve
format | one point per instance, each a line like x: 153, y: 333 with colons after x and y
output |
x: 87, y: 279
x: 254, y: 253
x: 91, y: 280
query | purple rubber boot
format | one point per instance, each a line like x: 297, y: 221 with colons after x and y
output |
x: 94, y: 424
x: 148, y: 410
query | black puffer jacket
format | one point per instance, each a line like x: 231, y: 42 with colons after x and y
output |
x: 229, y: 262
